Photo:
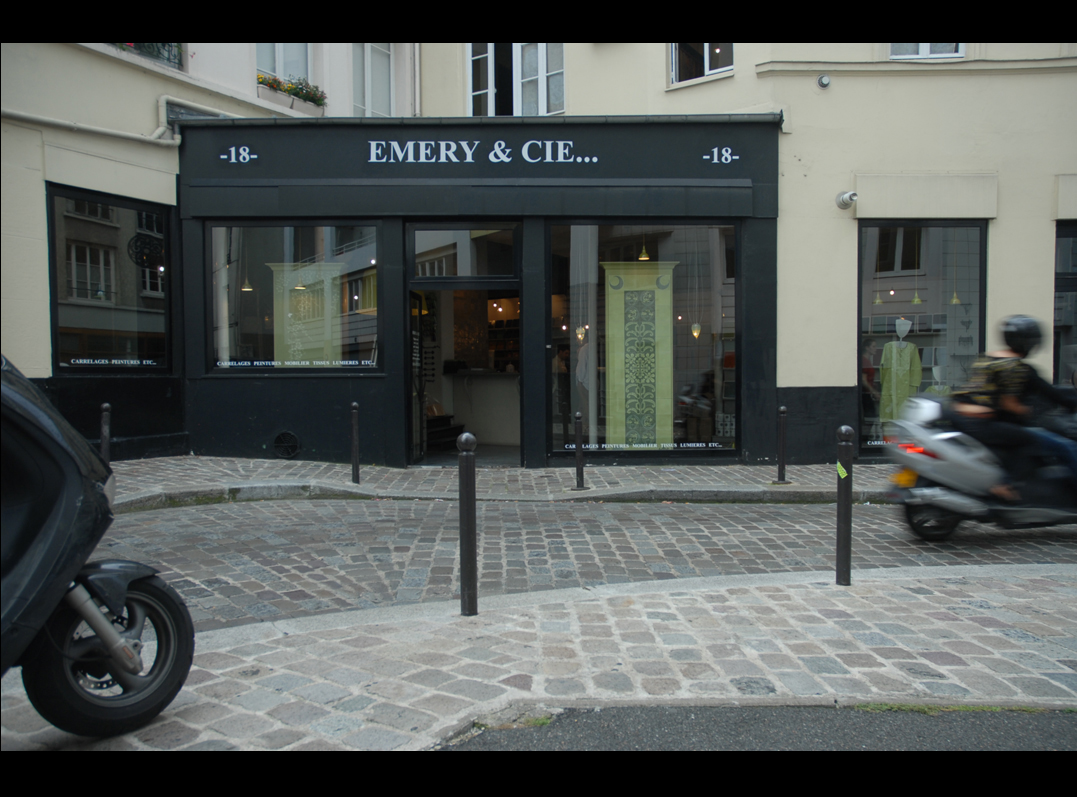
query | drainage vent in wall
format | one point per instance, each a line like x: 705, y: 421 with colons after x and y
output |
x: 286, y: 445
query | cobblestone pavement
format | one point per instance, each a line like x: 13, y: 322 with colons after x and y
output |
x: 261, y: 560
x: 409, y: 677
x: 330, y: 624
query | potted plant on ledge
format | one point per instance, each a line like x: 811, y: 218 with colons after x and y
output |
x: 296, y: 93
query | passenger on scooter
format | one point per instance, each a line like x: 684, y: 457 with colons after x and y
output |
x: 994, y: 406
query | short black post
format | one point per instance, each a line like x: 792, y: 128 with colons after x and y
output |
x: 579, y: 452
x: 469, y: 535
x: 781, y: 447
x: 843, y: 560
x: 106, y: 432
x: 355, y: 442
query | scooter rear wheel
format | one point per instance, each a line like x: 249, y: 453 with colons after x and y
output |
x: 931, y: 523
x: 74, y: 685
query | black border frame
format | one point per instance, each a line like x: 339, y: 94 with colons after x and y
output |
x: 173, y: 290
x: 211, y: 370
x: 877, y: 452
x: 660, y: 456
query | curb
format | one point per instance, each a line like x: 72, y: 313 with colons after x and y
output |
x: 196, y: 495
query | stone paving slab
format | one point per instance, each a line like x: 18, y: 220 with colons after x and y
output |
x: 267, y: 560
x: 172, y: 481
x: 406, y: 678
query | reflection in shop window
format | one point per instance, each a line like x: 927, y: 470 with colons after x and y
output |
x: 111, y: 285
x: 294, y: 297
x: 920, y: 317
x: 487, y: 252
x: 644, y: 337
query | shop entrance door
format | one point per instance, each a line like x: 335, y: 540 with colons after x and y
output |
x: 466, y: 375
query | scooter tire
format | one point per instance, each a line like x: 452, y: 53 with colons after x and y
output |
x: 931, y: 523
x: 68, y: 679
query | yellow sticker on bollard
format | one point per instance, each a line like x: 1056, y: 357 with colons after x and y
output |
x: 841, y: 471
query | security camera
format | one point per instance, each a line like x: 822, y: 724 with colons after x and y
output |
x: 846, y: 200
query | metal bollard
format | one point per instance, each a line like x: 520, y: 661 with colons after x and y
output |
x: 355, y: 442
x: 106, y: 432
x: 843, y: 558
x: 579, y: 453
x: 781, y: 447
x: 469, y: 535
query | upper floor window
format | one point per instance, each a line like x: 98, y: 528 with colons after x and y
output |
x: 927, y: 50
x: 372, y: 79
x: 284, y: 60
x: 698, y: 60
x: 520, y: 79
x: 150, y: 222
x: 93, y: 210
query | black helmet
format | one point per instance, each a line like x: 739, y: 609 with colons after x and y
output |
x: 1022, y: 334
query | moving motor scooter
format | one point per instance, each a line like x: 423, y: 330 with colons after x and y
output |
x: 946, y: 477
x: 104, y: 647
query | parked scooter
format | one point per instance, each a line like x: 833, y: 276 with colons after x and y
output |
x: 946, y: 477
x: 104, y: 647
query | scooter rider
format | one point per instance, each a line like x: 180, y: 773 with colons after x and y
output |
x: 994, y: 407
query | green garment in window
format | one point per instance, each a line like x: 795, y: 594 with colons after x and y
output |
x: 901, y: 376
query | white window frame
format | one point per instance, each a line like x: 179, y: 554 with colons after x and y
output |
x: 365, y: 110
x: 278, y: 59
x: 542, y: 78
x: 517, y: 80
x: 491, y: 89
x: 925, y: 52
x: 707, y: 69
x: 106, y: 265
x: 153, y: 281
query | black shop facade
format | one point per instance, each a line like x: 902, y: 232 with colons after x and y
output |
x: 496, y: 276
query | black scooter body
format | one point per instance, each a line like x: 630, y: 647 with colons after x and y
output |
x: 54, y: 508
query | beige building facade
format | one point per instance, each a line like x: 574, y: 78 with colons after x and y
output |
x: 921, y: 187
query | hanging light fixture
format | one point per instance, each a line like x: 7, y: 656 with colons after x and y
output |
x: 643, y: 252
x: 580, y: 332
x: 246, y: 286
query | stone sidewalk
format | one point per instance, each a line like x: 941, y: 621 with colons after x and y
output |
x: 408, y: 678
x: 173, y: 481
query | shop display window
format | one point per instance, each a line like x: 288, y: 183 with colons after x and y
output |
x: 294, y: 297
x: 644, y: 337
x: 111, y: 283
x: 921, y: 309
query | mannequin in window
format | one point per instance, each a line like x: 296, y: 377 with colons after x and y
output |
x: 901, y: 372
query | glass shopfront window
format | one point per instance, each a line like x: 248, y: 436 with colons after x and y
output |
x: 469, y: 250
x: 920, y: 325
x: 644, y: 337
x: 111, y: 288
x: 294, y: 297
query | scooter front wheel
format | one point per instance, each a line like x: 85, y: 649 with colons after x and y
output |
x: 73, y: 683
x: 930, y: 522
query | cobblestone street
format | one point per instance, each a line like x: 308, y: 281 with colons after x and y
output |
x: 249, y: 561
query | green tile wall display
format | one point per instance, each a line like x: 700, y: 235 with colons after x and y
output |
x: 639, y: 359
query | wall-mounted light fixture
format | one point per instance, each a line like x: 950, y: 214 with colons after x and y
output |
x: 845, y: 200
x: 823, y: 81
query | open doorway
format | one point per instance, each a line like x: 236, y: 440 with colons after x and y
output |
x: 466, y: 375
